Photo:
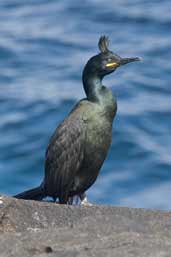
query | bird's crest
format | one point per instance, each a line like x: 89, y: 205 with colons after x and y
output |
x: 103, y: 44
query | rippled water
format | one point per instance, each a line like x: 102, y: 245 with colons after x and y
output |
x: 43, y: 48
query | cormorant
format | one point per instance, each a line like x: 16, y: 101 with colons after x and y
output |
x: 80, y: 144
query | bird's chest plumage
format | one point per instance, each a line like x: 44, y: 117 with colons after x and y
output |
x: 98, y: 139
x: 98, y: 136
x: 98, y: 122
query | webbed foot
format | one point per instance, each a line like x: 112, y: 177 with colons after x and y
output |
x: 84, y: 200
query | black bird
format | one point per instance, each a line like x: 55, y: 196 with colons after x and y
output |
x: 80, y: 144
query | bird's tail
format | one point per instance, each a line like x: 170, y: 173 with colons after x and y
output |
x: 36, y: 193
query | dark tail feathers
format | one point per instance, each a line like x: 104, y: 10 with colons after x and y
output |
x: 36, y: 193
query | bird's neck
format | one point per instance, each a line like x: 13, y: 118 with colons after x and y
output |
x: 92, y: 87
x: 97, y: 93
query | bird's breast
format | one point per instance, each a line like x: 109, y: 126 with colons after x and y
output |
x: 98, y: 137
x: 98, y: 134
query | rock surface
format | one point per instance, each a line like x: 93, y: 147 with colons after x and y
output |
x: 30, y: 228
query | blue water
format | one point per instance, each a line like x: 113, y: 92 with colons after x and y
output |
x: 43, y: 48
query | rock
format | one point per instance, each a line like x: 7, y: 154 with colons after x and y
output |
x: 30, y: 228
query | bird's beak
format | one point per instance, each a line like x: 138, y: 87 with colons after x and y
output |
x: 128, y: 60
x: 122, y: 61
x: 112, y: 65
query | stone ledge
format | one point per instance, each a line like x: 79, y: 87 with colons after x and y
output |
x: 30, y: 228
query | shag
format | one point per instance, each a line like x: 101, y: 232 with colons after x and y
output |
x: 80, y: 144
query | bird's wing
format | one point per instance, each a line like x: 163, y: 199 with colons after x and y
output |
x: 64, y: 156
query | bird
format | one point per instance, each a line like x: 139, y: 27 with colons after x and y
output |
x: 80, y: 144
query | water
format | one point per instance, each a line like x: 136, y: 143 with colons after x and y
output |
x: 43, y: 48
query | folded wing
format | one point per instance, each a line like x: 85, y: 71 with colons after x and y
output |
x: 64, y: 157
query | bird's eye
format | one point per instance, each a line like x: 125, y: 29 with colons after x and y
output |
x: 109, y: 60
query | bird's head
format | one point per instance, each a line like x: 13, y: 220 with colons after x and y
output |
x: 106, y: 61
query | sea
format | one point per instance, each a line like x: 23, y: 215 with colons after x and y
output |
x: 44, y: 46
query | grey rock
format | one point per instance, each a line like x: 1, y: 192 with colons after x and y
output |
x: 29, y: 228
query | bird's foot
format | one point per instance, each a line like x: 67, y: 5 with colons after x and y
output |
x: 84, y: 200
x: 79, y: 200
x: 73, y: 200
x: 70, y: 201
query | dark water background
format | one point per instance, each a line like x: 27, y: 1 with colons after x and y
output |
x: 43, y: 48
